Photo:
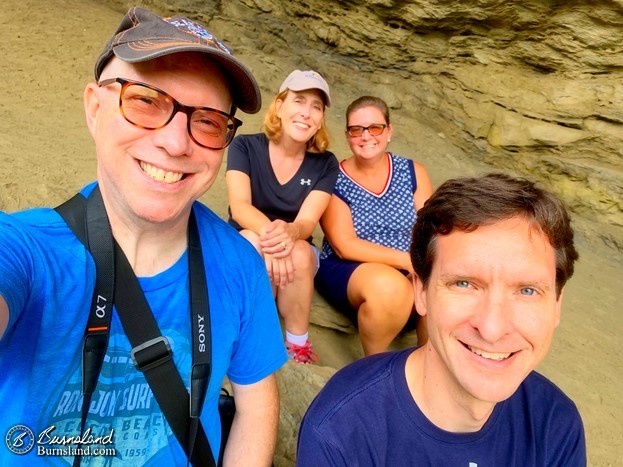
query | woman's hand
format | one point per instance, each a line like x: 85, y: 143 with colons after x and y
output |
x: 278, y: 239
x: 280, y: 270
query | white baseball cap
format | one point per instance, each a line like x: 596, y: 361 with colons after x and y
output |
x: 309, y: 79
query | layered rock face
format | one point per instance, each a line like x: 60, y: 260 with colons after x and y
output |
x: 529, y: 87
x: 532, y: 87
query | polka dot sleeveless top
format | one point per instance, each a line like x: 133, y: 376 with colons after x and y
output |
x: 384, y: 218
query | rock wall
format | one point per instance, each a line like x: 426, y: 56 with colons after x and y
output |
x: 529, y: 87
x: 533, y: 87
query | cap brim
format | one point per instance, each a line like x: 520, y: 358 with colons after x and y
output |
x: 305, y: 87
x: 245, y: 90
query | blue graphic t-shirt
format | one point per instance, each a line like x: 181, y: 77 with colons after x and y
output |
x: 47, y: 279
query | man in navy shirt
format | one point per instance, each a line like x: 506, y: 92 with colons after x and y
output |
x: 492, y: 256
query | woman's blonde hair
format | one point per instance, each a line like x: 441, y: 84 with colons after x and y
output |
x: 272, y: 127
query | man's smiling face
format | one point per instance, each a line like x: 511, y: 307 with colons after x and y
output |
x: 155, y: 175
x: 491, y: 308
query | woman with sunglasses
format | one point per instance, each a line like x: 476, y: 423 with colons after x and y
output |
x: 279, y: 183
x: 365, y: 268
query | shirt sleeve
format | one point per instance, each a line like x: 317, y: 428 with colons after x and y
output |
x: 238, y: 155
x: 412, y: 176
x: 568, y: 444
x: 315, y: 450
x: 260, y: 349
x: 327, y: 180
x: 14, y: 271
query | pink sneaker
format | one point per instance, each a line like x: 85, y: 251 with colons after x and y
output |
x: 301, y: 354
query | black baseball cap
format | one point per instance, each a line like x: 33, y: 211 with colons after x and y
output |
x: 143, y: 35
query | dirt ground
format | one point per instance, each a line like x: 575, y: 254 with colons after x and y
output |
x: 46, y: 155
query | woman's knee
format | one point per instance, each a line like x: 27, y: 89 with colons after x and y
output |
x: 303, y: 256
x: 382, y: 287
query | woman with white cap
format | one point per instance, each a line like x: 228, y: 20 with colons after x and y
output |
x: 280, y: 182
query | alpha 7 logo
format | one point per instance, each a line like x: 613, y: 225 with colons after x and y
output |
x: 100, y: 310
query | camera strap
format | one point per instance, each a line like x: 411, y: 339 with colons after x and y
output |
x: 151, y: 353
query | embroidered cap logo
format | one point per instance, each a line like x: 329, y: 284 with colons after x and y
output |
x: 197, y: 30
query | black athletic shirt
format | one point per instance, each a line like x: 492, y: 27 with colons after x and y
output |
x: 249, y: 154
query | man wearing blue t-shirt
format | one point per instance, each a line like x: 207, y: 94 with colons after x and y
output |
x: 161, y: 112
x: 492, y: 256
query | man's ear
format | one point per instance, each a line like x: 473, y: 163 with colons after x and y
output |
x: 91, y: 101
x: 419, y: 293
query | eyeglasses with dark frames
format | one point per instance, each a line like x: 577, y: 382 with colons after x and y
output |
x: 356, y: 131
x: 151, y: 108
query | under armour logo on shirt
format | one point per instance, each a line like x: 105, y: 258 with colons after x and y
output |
x: 306, y: 182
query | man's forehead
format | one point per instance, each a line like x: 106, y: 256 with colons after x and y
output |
x: 510, y: 239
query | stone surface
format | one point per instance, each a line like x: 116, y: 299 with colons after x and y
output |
x: 533, y: 87
x: 298, y: 385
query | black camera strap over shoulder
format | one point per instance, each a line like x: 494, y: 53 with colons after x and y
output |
x: 151, y: 353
